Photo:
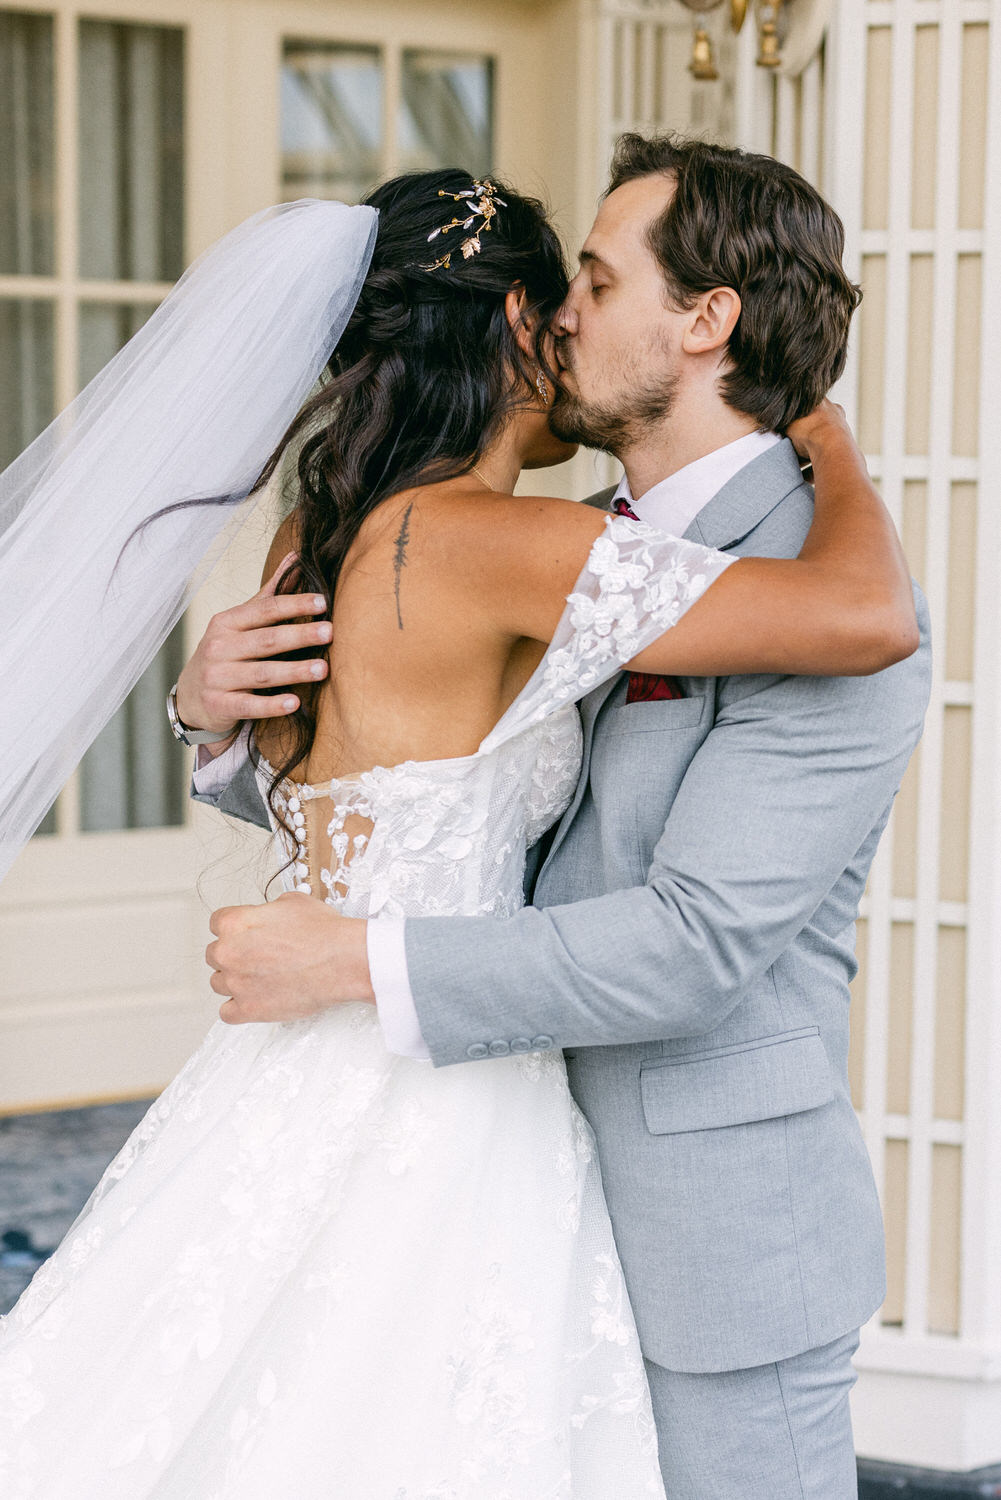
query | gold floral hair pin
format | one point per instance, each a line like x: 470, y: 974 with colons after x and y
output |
x: 481, y: 200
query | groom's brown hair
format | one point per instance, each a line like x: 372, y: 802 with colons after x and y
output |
x: 752, y: 223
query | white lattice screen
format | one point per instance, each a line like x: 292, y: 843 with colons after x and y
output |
x: 897, y: 119
x: 910, y: 167
x: 913, y: 152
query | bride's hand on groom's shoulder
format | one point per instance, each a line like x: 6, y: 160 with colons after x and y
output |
x: 826, y: 421
x: 286, y: 959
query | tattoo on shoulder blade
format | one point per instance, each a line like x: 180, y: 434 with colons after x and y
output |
x: 400, y: 558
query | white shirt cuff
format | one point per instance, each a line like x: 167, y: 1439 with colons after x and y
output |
x: 214, y: 772
x: 394, y: 999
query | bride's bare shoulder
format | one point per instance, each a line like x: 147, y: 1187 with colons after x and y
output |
x: 452, y: 521
x: 479, y: 539
x: 503, y: 562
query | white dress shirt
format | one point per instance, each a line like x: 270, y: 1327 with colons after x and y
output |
x: 212, y: 772
x: 671, y: 506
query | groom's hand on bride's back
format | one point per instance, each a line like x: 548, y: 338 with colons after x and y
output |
x: 220, y: 686
x: 289, y: 958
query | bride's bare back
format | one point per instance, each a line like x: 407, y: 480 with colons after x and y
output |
x: 419, y: 668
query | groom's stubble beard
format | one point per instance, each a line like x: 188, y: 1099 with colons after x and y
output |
x: 612, y: 425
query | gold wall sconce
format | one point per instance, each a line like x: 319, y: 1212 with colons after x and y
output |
x: 789, y: 32
x: 770, y: 20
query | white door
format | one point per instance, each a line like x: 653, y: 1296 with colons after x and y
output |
x: 130, y: 139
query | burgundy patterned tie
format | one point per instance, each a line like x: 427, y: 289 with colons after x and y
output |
x: 647, y: 687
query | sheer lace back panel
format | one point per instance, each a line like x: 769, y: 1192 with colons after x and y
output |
x: 444, y: 837
x: 328, y: 835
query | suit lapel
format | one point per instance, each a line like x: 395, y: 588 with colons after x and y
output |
x: 748, y: 498
x: 726, y: 519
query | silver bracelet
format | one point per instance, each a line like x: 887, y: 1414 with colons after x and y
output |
x: 191, y: 736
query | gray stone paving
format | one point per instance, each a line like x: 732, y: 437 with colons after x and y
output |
x: 49, y: 1164
x: 879, y: 1481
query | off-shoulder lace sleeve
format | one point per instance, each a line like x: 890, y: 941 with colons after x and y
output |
x: 637, y: 583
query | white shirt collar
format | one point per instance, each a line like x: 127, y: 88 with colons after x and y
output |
x: 673, y: 504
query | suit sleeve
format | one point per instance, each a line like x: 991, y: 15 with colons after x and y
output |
x: 229, y: 783
x: 791, y: 781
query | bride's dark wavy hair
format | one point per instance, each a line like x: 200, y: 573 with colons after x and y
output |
x: 422, y: 379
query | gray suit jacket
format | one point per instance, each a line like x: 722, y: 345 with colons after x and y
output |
x: 690, y: 948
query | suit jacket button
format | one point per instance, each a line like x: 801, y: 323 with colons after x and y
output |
x: 540, y: 1043
x: 520, y: 1044
x: 476, y: 1050
x: 499, y: 1049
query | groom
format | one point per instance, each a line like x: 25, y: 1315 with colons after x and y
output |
x: 690, y: 942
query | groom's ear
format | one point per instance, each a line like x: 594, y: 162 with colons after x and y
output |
x: 514, y: 311
x: 711, y: 320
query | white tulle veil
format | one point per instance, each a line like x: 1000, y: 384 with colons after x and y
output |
x: 191, y: 407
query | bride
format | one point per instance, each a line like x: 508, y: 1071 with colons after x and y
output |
x: 316, y: 1269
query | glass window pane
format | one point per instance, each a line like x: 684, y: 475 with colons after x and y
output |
x: 331, y: 103
x: 135, y: 774
x: 446, y: 112
x: 104, y: 328
x: 27, y: 194
x: 131, y: 133
x: 48, y: 823
x: 26, y: 379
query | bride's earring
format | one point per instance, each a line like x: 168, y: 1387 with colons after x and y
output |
x: 542, y: 388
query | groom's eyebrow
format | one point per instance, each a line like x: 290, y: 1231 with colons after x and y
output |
x: 592, y: 258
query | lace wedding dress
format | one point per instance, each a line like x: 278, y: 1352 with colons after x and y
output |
x: 319, y: 1271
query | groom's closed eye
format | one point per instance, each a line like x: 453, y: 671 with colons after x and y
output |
x: 598, y: 272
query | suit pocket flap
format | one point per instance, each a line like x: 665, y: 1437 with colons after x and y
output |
x: 656, y: 715
x: 760, y: 1080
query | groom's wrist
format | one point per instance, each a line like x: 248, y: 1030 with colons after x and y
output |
x: 350, y: 961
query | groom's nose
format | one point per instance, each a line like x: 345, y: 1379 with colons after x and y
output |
x: 565, y: 321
